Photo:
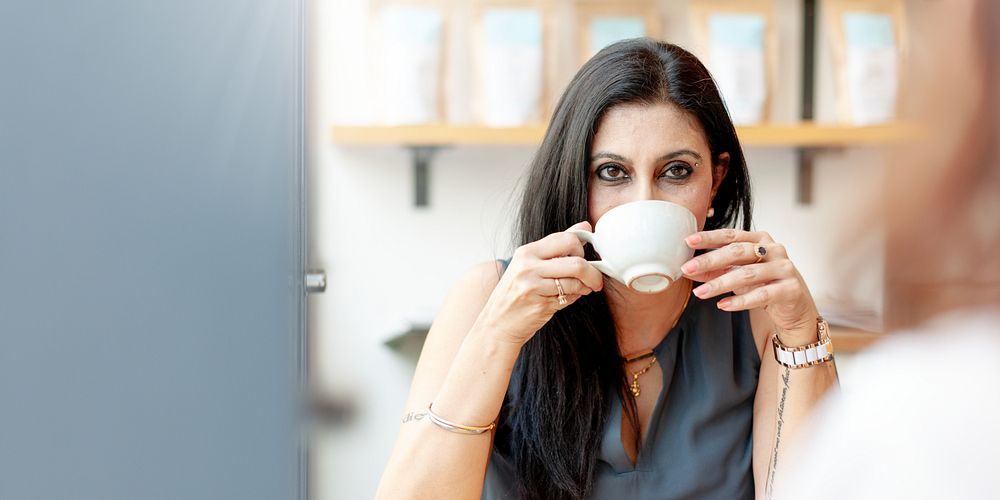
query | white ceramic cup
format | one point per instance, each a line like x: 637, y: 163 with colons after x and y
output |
x: 641, y: 243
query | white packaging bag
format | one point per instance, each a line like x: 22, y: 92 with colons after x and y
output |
x: 510, y: 63
x: 410, y: 65
x: 872, y: 61
x: 737, y: 59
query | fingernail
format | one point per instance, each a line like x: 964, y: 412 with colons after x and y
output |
x: 694, y: 239
x: 724, y: 303
x: 703, y: 290
x: 690, y: 266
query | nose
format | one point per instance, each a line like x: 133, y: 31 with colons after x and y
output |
x: 644, y: 190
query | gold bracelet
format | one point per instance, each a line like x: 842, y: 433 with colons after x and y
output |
x: 454, y: 427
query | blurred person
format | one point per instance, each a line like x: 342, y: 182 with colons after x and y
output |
x: 541, y: 379
x: 924, y: 422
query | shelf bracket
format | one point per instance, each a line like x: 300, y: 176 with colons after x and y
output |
x: 421, y: 173
x: 804, y: 176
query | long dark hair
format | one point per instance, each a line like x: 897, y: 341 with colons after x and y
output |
x: 559, y: 399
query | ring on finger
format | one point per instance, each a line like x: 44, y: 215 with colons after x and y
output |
x: 760, y: 252
x: 562, y: 293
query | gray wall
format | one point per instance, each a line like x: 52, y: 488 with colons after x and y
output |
x: 151, y: 229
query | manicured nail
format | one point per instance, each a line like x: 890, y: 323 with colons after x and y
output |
x: 703, y: 290
x: 690, y: 266
x: 724, y: 303
x: 693, y: 240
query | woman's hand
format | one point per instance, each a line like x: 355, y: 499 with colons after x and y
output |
x: 770, y: 281
x: 527, y: 296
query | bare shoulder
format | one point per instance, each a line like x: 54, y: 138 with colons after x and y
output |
x: 462, y: 306
x: 458, y: 313
x: 481, y: 278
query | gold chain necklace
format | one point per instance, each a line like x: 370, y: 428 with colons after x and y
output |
x: 634, y: 386
x: 635, y: 377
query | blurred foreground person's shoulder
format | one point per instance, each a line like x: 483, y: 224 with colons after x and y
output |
x: 922, y: 422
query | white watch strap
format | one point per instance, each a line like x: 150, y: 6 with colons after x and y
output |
x: 800, y: 357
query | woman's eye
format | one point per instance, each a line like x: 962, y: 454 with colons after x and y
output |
x: 678, y: 171
x: 611, y: 173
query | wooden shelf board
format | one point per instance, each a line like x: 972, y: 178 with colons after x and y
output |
x: 817, y: 135
x: 437, y: 135
x: 851, y: 339
x: 777, y: 135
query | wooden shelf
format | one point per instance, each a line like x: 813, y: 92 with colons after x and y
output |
x: 851, y: 339
x: 819, y: 135
x: 807, y: 137
x: 776, y: 135
x: 437, y: 135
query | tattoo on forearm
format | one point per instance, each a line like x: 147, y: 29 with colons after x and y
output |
x: 777, y: 433
x: 414, y: 417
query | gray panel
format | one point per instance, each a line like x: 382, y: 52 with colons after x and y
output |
x: 151, y: 298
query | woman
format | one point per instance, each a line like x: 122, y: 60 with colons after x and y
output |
x: 641, y: 120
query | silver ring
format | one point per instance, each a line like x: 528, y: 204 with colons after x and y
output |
x: 760, y: 252
x: 562, y: 293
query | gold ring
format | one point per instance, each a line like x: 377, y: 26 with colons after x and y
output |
x: 562, y: 293
x: 760, y: 252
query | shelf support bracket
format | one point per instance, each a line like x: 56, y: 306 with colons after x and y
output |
x: 421, y: 174
x: 804, y: 176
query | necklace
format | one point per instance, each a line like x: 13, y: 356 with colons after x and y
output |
x: 634, y: 386
x: 635, y: 377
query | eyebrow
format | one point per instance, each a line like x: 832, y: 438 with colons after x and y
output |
x: 669, y: 156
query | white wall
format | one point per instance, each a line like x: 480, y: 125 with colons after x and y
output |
x: 388, y: 262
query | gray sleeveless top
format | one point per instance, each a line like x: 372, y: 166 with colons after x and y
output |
x: 698, y: 443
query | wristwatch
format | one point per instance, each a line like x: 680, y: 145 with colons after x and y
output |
x: 813, y: 354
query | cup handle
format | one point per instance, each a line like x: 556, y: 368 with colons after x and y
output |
x: 589, y: 237
x: 584, y: 236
